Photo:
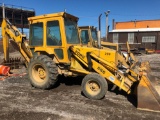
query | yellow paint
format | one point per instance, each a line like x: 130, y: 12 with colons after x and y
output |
x: 11, y: 32
x: 50, y: 49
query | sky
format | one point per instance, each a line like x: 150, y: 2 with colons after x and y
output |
x: 88, y: 11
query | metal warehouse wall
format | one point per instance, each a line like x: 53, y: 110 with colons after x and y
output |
x: 123, y: 38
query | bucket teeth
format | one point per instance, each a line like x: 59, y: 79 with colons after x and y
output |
x: 145, y: 66
x: 13, y: 62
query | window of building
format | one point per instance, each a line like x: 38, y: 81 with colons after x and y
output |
x: 130, y: 37
x: 115, y: 37
x: 151, y: 39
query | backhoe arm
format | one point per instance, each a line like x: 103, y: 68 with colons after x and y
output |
x: 10, y: 32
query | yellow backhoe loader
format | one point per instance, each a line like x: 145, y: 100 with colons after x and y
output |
x: 88, y: 36
x: 55, y: 49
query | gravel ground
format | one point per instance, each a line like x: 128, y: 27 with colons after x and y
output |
x: 20, y: 101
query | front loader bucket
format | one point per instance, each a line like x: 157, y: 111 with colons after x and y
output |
x: 147, y: 96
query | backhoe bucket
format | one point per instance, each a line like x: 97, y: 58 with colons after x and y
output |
x: 146, y: 66
x: 147, y: 95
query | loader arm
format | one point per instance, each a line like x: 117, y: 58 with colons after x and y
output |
x: 132, y: 80
x: 106, y: 69
x: 10, y: 32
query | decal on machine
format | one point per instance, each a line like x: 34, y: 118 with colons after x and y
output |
x: 101, y: 70
x: 107, y: 53
x: 112, y: 78
x: 79, y: 54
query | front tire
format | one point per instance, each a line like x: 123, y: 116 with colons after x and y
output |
x: 94, y: 86
x: 42, y: 72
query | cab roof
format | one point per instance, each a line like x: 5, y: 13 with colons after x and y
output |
x: 87, y: 27
x: 59, y: 14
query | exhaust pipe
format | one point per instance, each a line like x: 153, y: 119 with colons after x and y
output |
x: 99, y: 32
x: 3, y: 8
x: 99, y: 39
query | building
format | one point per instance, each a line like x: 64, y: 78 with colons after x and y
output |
x: 142, y: 34
x: 17, y: 15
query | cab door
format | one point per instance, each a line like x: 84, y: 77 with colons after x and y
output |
x: 54, y: 39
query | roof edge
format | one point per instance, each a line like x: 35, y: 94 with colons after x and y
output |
x: 137, y: 30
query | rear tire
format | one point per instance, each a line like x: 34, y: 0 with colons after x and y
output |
x: 42, y: 72
x: 94, y: 86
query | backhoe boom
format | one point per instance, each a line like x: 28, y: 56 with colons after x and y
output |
x: 11, y: 33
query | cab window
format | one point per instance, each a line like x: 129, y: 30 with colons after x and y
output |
x: 36, y: 34
x: 71, y: 32
x: 94, y: 35
x: 53, y: 34
x: 84, y: 36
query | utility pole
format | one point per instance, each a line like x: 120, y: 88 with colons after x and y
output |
x: 107, y: 13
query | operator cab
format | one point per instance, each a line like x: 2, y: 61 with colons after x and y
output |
x: 54, y: 34
x: 88, y: 35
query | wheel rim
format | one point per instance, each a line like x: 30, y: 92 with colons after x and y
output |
x: 93, y: 87
x: 39, y: 73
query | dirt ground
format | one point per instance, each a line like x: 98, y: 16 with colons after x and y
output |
x: 20, y: 101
